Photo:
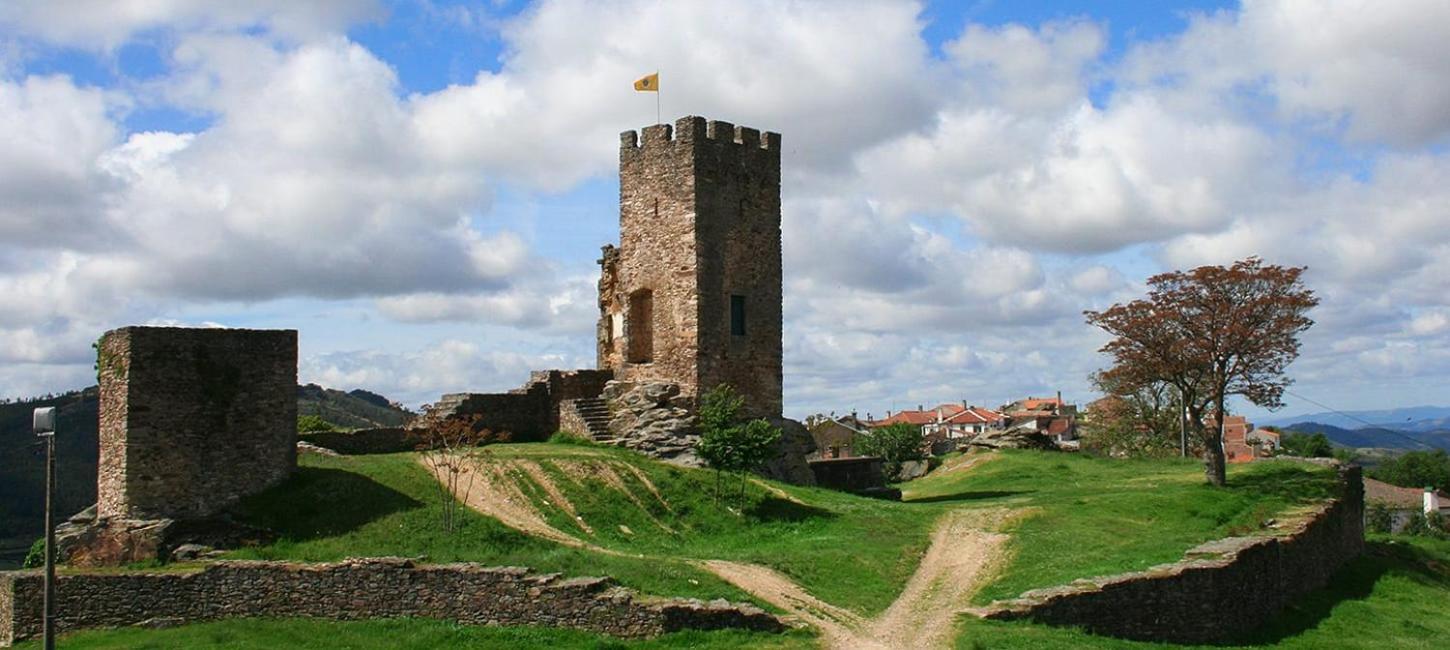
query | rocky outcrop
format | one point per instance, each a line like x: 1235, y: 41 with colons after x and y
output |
x: 88, y: 541
x: 795, y: 445
x: 654, y: 419
x: 1014, y: 438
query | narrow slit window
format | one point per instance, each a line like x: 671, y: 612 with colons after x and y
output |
x: 737, y: 315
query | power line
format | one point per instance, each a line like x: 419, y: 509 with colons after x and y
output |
x: 1367, y: 423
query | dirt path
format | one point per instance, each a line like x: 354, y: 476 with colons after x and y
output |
x: 966, y: 549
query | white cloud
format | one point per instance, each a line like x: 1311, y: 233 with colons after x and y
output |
x: 105, y: 24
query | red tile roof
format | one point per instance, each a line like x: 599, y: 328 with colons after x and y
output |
x: 1393, y: 496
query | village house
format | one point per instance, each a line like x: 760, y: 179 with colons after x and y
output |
x: 1047, y: 415
x: 945, y: 421
x: 1403, y: 503
x: 836, y: 437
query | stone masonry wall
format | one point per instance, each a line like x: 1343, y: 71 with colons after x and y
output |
x: 1218, y: 591
x: 355, y: 590
x: 699, y: 222
x: 739, y: 253
x: 531, y: 412
x: 193, y: 419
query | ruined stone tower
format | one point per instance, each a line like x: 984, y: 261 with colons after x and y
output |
x: 692, y: 295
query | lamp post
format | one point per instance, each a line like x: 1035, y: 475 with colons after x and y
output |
x: 44, y: 426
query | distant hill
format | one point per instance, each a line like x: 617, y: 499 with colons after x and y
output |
x: 357, y: 409
x: 22, y: 459
x: 1379, y: 437
x: 1409, y: 418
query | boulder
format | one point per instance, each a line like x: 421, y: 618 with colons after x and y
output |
x: 1014, y: 438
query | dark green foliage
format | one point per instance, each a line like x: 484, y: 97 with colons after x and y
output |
x: 1416, y: 469
x: 894, y: 443
x: 1303, y: 445
x: 566, y: 438
x: 36, y: 556
x: 729, y: 444
x: 1378, y: 519
x: 1427, y: 525
x: 313, y: 424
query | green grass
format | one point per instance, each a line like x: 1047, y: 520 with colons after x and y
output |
x: 1095, y: 516
x: 848, y: 550
x: 400, y: 634
x: 360, y: 506
x: 1394, y: 596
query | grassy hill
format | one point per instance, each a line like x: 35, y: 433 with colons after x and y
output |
x: 22, y: 472
x: 647, y: 524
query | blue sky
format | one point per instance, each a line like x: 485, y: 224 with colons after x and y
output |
x: 421, y: 187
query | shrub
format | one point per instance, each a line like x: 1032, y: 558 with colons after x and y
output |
x: 1304, y: 445
x: 566, y: 438
x: 313, y: 424
x: 1378, y: 519
x: 728, y: 444
x: 894, y: 443
x: 36, y: 556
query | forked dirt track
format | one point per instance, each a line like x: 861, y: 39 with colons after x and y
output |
x: 966, y: 549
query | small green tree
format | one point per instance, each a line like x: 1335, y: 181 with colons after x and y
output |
x: 313, y: 424
x: 1306, y: 445
x: 894, y: 443
x: 728, y: 443
x: 1415, y: 469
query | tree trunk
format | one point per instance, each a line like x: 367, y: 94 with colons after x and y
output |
x: 1215, y: 467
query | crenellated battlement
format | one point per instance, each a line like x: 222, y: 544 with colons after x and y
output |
x: 694, y: 129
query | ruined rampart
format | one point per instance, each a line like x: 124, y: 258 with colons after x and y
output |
x: 193, y: 419
x: 355, y: 590
x: 1218, y: 591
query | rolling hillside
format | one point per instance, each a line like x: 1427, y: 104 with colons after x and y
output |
x: 1378, y: 437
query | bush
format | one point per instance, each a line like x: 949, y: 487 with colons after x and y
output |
x: 1416, y: 469
x: 728, y: 444
x: 313, y: 424
x: 894, y: 443
x: 36, y: 556
x: 566, y: 438
x: 1304, y: 445
x: 1378, y: 519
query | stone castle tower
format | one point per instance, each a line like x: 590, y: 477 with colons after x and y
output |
x: 692, y: 295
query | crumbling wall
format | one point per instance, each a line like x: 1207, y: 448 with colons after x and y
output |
x: 191, y: 420
x: 531, y: 412
x: 1218, y: 591
x: 356, y: 590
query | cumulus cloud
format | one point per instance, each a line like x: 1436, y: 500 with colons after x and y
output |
x: 947, y: 217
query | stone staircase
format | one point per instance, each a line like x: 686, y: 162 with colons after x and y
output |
x: 595, y: 415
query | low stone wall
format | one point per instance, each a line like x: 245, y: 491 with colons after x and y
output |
x: 387, y: 440
x: 1218, y: 591
x: 355, y: 590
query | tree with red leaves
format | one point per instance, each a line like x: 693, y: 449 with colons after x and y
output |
x: 1211, y: 332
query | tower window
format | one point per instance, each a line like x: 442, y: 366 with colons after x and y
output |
x: 641, y: 326
x: 737, y: 315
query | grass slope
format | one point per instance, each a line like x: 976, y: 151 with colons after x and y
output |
x: 1095, y: 516
x: 1394, y: 596
x: 358, y: 506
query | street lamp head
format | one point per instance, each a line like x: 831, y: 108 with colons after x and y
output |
x: 44, y: 421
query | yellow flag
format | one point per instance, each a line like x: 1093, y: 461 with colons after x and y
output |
x: 649, y: 83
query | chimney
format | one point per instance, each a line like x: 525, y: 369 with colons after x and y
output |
x: 1432, y: 501
x: 920, y: 407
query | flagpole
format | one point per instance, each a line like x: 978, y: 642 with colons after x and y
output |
x: 657, y: 98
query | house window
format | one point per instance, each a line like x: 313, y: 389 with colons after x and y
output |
x: 641, y: 326
x: 737, y: 315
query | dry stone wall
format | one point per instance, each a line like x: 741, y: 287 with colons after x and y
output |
x: 1218, y: 591
x: 191, y: 420
x: 355, y: 590
x: 529, y: 413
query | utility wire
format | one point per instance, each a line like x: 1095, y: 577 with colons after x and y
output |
x: 1381, y: 427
